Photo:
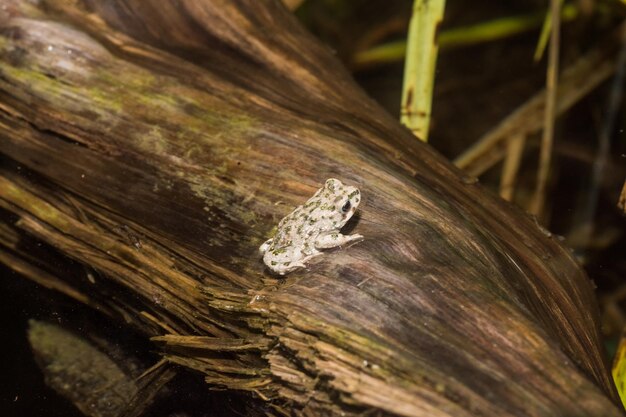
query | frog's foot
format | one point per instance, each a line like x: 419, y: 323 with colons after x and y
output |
x: 334, y: 239
x: 265, y: 246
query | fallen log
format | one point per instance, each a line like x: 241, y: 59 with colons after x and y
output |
x: 159, y: 143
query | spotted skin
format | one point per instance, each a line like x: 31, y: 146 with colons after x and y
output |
x: 312, y: 226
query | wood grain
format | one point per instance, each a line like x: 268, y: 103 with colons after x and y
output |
x: 159, y: 143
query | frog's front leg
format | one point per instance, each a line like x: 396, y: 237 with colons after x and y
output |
x: 333, y: 239
x: 265, y: 246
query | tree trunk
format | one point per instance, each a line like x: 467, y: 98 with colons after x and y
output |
x: 159, y: 143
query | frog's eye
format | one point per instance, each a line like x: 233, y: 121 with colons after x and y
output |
x: 346, y: 207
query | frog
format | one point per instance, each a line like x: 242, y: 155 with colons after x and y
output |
x: 311, y: 227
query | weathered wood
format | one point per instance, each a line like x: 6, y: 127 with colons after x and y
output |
x: 159, y: 143
x: 100, y: 380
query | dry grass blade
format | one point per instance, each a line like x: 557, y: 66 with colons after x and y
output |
x: 515, y: 150
x: 547, y: 141
x: 576, y: 82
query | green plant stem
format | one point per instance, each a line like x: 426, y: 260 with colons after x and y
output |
x: 488, y: 31
x: 419, y: 66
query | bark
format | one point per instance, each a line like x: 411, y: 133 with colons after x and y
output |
x: 158, y: 143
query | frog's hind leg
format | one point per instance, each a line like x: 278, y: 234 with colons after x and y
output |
x: 292, y: 266
x: 311, y: 256
x: 334, y: 239
x: 265, y: 246
x: 296, y: 264
x: 302, y: 263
